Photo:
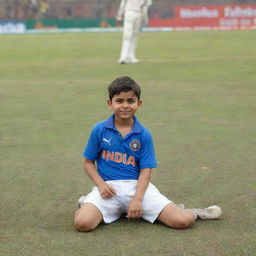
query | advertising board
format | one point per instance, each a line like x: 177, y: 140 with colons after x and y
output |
x: 12, y: 27
x: 211, y: 17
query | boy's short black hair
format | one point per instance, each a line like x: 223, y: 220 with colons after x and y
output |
x: 123, y: 84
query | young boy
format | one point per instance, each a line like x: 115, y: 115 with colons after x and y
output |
x: 124, y: 153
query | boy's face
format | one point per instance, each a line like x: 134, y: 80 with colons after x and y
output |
x: 124, y: 105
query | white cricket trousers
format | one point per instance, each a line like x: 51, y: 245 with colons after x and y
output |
x: 131, y: 29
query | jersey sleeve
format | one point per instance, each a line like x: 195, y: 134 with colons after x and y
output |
x: 147, y: 157
x: 92, y: 149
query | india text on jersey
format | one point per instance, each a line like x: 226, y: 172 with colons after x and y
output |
x: 118, y: 157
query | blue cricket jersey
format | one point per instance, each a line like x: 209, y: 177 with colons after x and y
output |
x: 117, y: 157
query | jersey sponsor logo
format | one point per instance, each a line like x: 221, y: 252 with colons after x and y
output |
x: 107, y: 140
x: 118, y: 157
x: 135, y: 145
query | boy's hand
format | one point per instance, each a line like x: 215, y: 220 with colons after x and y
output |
x: 135, y: 209
x: 106, y: 191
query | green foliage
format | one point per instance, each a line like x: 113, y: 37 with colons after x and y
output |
x: 198, y: 91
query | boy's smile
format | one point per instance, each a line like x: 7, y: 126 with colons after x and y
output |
x: 124, y: 105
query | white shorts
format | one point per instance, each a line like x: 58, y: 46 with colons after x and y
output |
x: 111, y: 209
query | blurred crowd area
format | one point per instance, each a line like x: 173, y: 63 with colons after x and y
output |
x: 82, y: 9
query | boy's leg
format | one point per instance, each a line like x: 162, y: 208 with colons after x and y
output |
x: 94, y: 209
x: 87, y: 218
x: 156, y: 206
x: 175, y: 217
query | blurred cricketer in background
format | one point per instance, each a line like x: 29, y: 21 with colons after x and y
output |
x: 135, y: 14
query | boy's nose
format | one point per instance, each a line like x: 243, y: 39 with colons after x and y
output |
x: 125, y: 104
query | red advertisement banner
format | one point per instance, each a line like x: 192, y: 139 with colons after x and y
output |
x: 203, y: 17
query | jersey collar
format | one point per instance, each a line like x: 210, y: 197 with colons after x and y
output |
x: 137, y: 127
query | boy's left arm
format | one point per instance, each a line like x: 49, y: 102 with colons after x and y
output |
x: 135, y: 208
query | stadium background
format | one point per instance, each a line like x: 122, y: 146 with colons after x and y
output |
x: 19, y: 16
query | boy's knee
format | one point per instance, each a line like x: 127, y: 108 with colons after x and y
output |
x: 181, y: 222
x: 185, y: 223
x: 83, y: 225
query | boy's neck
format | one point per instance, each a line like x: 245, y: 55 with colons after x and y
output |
x: 124, y: 123
x: 124, y: 126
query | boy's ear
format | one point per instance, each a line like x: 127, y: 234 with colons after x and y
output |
x: 109, y: 102
x: 140, y: 103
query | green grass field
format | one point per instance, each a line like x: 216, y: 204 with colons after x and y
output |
x: 199, y: 101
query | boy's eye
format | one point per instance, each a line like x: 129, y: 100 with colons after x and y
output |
x: 130, y: 101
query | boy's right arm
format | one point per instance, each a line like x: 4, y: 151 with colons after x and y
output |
x: 106, y: 191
